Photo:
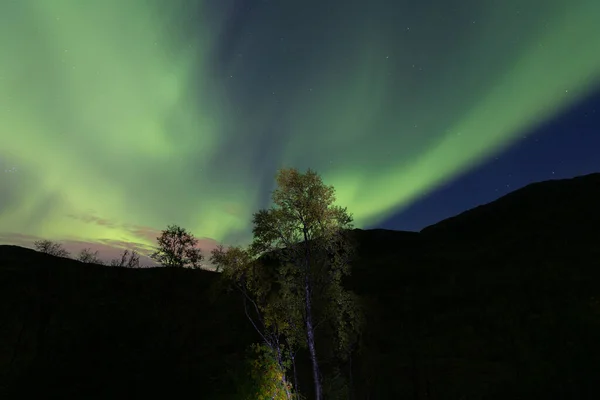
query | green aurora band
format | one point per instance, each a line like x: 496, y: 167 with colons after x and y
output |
x: 117, y: 119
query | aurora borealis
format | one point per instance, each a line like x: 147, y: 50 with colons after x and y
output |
x: 118, y: 118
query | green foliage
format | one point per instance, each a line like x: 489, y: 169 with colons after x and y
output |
x: 303, y: 211
x: 266, y: 313
x: 313, y: 233
x: 292, y: 273
x: 177, y: 248
x: 348, y: 320
x: 268, y: 376
x: 272, y: 309
x: 260, y: 376
x: 269, y: 314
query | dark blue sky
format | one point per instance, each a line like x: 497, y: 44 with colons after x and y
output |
x: 563, y: 147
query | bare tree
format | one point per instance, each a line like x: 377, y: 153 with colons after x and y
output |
x: 50, y: 247
x: 177, y: 248
x: 129, y: 259
x: 89, y: 257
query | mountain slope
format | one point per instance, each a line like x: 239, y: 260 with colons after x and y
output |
x: 78, y: 330
x: 540, y: 209
x: 502, y: 301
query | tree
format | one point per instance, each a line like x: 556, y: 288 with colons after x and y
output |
x: 268, y: 376
x: 177, y: 248
x: 87, y: 256
x: 50, y: 247
x: 129, y: 259
x: 309, y: 236
x: 245, y: 275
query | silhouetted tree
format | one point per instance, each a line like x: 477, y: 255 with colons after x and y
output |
x: 50, y: 247
x: 129, y: 259
x: 177, y: 248
x: 89, y: 257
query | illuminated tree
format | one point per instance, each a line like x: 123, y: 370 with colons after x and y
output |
x: 308, y: 235
x: 268, y: 375
x: 177, y: 248
x: 290, y: 277
x: 270, y: 322
x: 50, y: 247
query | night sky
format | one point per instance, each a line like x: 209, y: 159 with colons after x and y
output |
x: 118, y: 118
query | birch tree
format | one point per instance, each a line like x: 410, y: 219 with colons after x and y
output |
x: 308, y: 234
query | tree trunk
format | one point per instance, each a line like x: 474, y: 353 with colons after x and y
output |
x: 296, y: 387
x: 283, y: 378
x: 310, y: 339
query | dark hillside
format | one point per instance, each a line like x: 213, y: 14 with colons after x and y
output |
x: 75, y: 329
x: 500, y: 302
x: 559, y: 209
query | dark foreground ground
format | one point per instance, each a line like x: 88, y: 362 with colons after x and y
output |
x: 500, y: 302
